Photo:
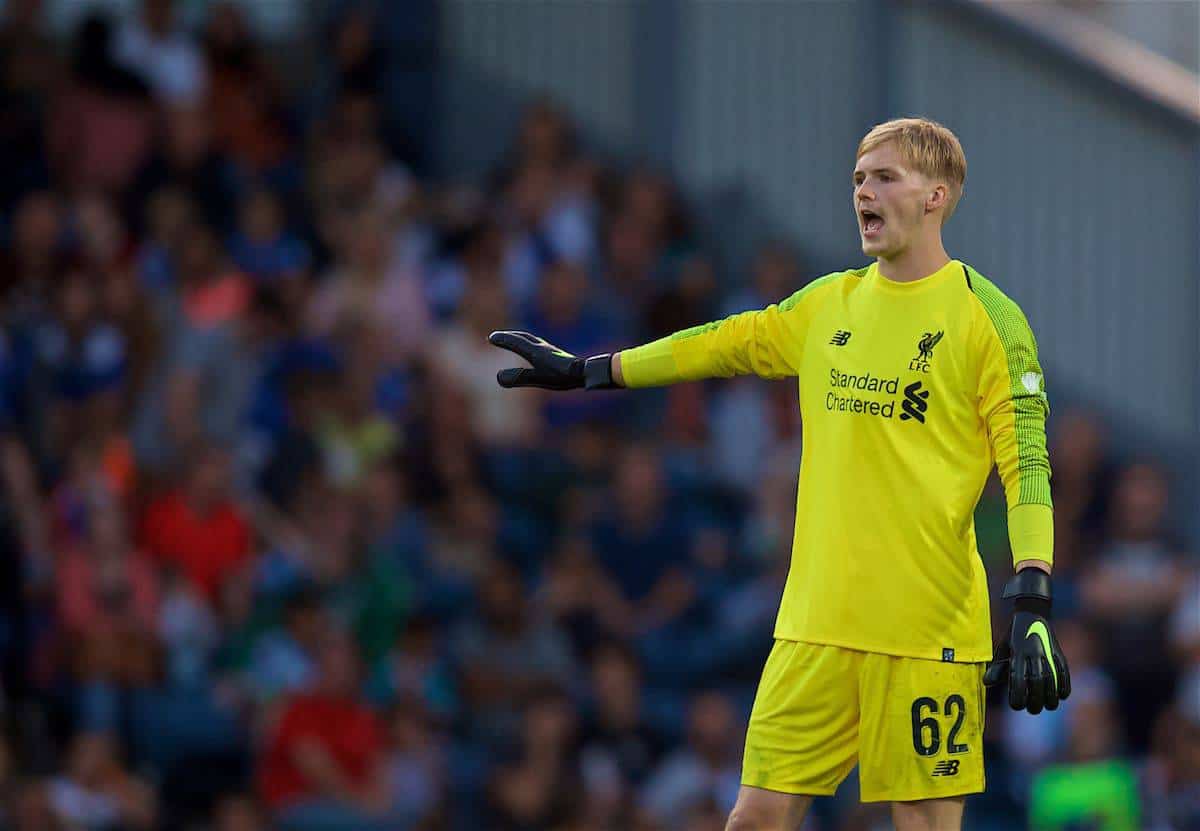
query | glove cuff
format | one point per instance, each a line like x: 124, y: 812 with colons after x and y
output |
x: 597, y: 372
x: 1030, y: 590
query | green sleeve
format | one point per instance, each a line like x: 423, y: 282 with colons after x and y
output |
x: 766, y: 342
x: 1014, y: 406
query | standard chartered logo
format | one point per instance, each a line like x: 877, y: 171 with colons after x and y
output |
x: 841, y: 400
x: 914, y: 405
x: 843, y: 397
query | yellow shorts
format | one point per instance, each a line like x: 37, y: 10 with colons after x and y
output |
x: 914, y: 726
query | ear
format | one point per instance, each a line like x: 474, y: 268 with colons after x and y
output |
x: 937, y: 198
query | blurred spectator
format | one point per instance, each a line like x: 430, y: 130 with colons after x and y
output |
x: 31, y: 809
x: 169, y: 216
x: 284, y: 660
x: 9, y: 786
x: 565, y: 315
x: 465, y: 360
x: 707, y: 770
x: 743, y: 433
x: 364, y: 589
x: 416, y: 763
x: 103, y: 244
x: 213, y: 292
x: 106, y: 588
x: 28, y: 68
x: 688, y: 299
x: 262, y: 247
x: 82, y: 359
x: 355, y: 431
x: 101, y: 129
x: 35, y: 257
x: 642, y: 544
x: 631, y: 261
x: 647, y: 236
x: 545, y: 223
x: 472, y: 252
x: 775, y: 275
x: 651, y: 199
x: 197, y: 528
x: 1083, y: 481
x: 370, y: 286
x: 188, y: 628
x: 96, y: 791
x: 132, y: 313
x: 219, y: 341
x: 189, y: 162
x: 620, y: 732
x: 324, y: 762
x: 244, y: 98
x: 541, y: 787
x: 358, y: 55
x: 1185, y: 623
x: 545, y: 136
x: 1174, y: 774
x: 504, y: 653
x: 416, y: 670
x: 1130, y: 590
x: 162, y: 54
x: 238, y: 813
x: 582, y: 600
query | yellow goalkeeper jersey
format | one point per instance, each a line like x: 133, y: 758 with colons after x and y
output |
x: 909, y: 394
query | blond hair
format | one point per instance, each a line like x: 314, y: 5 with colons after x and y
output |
x: 929, y: 147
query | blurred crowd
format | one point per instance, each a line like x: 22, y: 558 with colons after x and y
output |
x: 277, y: 552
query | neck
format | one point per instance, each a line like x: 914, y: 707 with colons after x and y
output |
x: 919, y: 260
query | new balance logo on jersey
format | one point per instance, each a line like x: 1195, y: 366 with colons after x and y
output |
x: 946, y: 768
x: 914, y: 403
x: 840, y: 337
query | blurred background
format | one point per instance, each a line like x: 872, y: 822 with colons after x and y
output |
x: 277, y: 552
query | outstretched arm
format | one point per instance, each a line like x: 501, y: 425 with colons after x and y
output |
x: 766, y: 342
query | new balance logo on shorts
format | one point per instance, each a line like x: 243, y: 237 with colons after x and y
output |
x: 946, y: 768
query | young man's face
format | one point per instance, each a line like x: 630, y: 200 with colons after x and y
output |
x: 890, y: 199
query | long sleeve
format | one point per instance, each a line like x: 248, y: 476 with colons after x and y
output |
x: 767, y: 342
x: 1014, y: 407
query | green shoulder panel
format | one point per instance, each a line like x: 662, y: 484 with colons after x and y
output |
x: 1026, y: 384
x: 696, y: 330
x: 785, y: 306
x: 790, y: 303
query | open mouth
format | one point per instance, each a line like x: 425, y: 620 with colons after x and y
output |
x: 871, y: 222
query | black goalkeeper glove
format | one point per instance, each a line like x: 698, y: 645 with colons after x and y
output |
x: 1030, y: 659
x: 552, y: 368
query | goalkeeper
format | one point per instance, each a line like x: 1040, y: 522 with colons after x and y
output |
x: 916, y: 375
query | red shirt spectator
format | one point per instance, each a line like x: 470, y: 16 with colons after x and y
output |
x: 341, y: 726
x: 98, y: 596
x: 328, y: 745
x: 198, y: 528
x: 104, y: 585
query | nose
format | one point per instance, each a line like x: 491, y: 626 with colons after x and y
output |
x: 863, y: 194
